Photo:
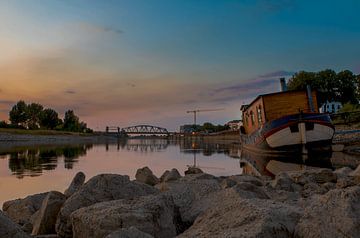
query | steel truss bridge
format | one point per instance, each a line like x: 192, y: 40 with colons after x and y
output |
x: 138, y: 130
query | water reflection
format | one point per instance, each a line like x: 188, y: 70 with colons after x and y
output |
x: 34, y: 160
x: 269, y: 165
x: 31, y: 161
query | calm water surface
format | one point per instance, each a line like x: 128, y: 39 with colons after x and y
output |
x: 26, y: 170
x: 30, y: 170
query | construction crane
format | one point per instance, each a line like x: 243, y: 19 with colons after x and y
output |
x: 203, y: 110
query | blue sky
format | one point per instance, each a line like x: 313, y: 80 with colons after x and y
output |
x: 148, y: 61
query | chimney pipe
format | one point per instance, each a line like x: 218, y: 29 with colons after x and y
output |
x: 283, y: 84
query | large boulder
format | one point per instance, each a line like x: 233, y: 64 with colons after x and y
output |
x: 103, y: 187
x: 145, y: 175
x: 189, y: 189
x: 9, y: 229
x: 238, y: 217
x: 20, y: 211
x: 131, y: 232
x: 153, y: 214
x: 356, y: 172
x: 334, y: 214
x: 46, y: 219
x: 242, y: 190
x: 76, y: 184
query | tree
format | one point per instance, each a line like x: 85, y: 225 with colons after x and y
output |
x: 71, y: 121
x: 331, y: 86
x: 34, y: 113
x: 49, y: 119
x: 18, y: 115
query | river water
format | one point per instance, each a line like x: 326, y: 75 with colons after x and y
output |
x: 26, y: 170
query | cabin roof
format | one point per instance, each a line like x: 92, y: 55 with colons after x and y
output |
x: 245, y: 107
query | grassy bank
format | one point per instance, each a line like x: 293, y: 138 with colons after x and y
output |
x: 41, y: 132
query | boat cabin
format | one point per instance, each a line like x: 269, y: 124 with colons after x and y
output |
x: 268, y: 107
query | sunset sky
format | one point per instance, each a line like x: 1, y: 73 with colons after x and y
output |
x: 126, y: 62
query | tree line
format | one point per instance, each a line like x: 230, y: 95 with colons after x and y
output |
x: 343, y: 86
x: 34, y: 116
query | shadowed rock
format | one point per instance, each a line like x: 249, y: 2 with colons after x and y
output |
x: 76, y: 184
x: 334, y: 214
x: 46, y: 219
x: 9, y: 229
x: 238, y: 217
x: 131, y: 232
x: 103, y: 187
x: 21, y: 211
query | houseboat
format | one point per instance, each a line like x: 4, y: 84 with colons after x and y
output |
x: 285, y: 122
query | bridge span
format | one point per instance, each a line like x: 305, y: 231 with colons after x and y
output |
x: 139, y: 130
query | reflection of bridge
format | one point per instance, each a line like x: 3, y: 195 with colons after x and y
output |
x: 138, y: 130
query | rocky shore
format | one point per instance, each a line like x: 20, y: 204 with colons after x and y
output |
x: 309, y: 203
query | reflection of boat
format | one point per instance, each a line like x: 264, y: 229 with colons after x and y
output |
x: 286, y: 121
x: 259, y: 164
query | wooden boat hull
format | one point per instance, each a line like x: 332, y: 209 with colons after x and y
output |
x: 289, y: 134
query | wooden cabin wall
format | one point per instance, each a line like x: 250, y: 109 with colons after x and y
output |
x: 278, y: 105
x: 250, y: 125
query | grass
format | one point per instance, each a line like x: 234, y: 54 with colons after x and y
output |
x: 41, y: 132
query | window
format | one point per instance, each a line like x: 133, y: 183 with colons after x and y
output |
x: 252, y: 118
x: 259, y: 115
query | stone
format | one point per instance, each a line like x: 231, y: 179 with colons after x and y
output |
x: 234, y: 179
x: 337, y: 147
x: 310, y: 189
x: 241, y: 190
x: 334, y: 214
x: 170, y: 175
x: 283, y: 181
x: 193, y: 170
x: 342, y: 172
x: 46, y: 219
x: 21, y: 210
x: 76, y: 184
x: 101, y: 188
x: 313, y: 175
x: 356, y: 172
x: 9, y: 229
x: 153, y: 214
x: 238, y: 217
x: 131, y: 232
x: 145, y: 175
x: 189, y: 189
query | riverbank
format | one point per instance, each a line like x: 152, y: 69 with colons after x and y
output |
x: 307, y: 203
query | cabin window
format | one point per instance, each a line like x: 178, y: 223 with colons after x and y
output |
x: 259, y: 115
x: 252, y: 118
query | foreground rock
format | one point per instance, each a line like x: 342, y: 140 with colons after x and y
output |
x: 313, y: 176
x: 335, y: 214
x: 23, y: 211
x: 9, y: 229
x: 46, y: 219
x: 103, y: 187
x: 189, y: 189
x: 237, y: 217
x: 131, y: 232
x: 75, y: 185
x: 154, y: 214
x: 145, y: 175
